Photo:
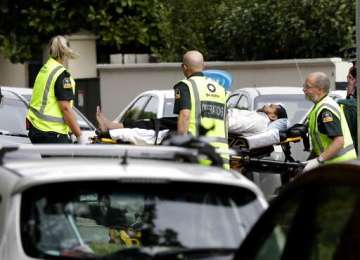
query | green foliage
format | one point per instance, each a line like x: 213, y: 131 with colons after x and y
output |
x: 276, y: 29
x: 221, y: 29
x: 24, y: 25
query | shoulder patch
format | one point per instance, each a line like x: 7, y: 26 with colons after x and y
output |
x: 327, y: 117
x: 177, y: 94
x: 67, y: 83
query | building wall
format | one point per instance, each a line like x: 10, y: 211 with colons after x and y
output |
x: 13, y: 74
x: 119, y: 83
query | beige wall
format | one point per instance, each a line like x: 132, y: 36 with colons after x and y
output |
x: 119, y: 83
x: 13, y: 74
x: 84, y: 66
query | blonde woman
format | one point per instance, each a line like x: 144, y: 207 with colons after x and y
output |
x: 50, y: 116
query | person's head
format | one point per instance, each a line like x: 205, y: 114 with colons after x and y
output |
x: 193, y: 61
x: 316, y: 86
x: 60, y: 50
x: 274, y: 111
x: 351, y: 82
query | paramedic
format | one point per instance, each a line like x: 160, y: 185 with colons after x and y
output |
x: 200, y: 103
x: 329, y: 133
x: 50, y: 116
x: 349, y: 104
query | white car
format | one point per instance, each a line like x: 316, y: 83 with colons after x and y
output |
x: 108, y: 199
x: 15, y: 102
x: 149, y: 104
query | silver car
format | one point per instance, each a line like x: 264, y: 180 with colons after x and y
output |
x: 123, y: 201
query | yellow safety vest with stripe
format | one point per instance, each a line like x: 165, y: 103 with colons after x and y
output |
x: 44, y: 112
x: 208, y: 109
x: 320, y: 142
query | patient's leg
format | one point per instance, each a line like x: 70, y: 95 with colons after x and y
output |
x: 104, y: 123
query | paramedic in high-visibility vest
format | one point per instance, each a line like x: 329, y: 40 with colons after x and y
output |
x: 50, y: 116
x: 329, y: 133
x: 200, y: 103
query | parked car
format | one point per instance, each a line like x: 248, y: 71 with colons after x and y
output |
x: 315, y: 217
x: 15, y: 102
x: 149, y: 104
x: 109, y: 199
x: 292, y: 98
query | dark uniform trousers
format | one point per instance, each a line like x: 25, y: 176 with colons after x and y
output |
x: 40, y: 137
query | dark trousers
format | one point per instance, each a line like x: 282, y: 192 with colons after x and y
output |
x: 40, y: 137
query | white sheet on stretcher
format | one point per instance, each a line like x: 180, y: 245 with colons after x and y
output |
x: 245, y: 122
x: 267, y: 138
x: 137, y: 135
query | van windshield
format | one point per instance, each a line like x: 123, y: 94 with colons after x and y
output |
x: 100, y: 219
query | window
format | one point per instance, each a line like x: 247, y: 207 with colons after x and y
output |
x: 243, y: 103
x: 232, y: 101
x: 321, y: 222
x: 295, y: 104
x: 134, y: 112
x: 105, y: 217
x: 151, y: 108
x: 12, y: 115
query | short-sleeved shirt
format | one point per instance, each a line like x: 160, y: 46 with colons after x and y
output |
x: 63, y: 88
x: 182, y: 95
x: 329, y: 124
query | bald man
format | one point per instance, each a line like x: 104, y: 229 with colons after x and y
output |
x: 329, y: 133
x: 200, y: 103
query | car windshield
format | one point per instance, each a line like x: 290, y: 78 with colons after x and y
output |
x: 102, y: 218
x: 296, y: 105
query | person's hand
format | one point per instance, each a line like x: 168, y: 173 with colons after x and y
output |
x: 82, y: 139
x: 311, y: 164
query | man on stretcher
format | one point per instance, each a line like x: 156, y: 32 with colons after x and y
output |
x: 270, y: 118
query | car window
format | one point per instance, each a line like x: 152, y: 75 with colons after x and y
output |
x: 105, y: 217
x: 135, y: 110
x: 243, y: 103
x: 12, y: 115
x: 322, y: 221
x: 296, y: 105
x: 150, y: 109
x: 232, y: 101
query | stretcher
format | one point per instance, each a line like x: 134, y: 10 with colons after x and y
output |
x: 252, y: 153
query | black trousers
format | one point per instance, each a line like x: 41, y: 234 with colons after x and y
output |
x: 40, y: 137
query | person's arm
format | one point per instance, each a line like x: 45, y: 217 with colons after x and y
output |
x: 182, y: 106
x: 69, y: 117
x: 183, y: 122
x: 330, y: 125
x: 335, y: 146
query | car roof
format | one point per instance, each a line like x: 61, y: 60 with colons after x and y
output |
x: 18, y: 90
x: 167, y: 93
x: 271, y: 90
x: 152, y: 163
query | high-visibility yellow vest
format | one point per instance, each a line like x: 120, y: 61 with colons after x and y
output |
x: 44, y: 112
x: 208, y: 109
x: 320, y: 141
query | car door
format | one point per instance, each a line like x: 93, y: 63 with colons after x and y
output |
x: 316, y: 217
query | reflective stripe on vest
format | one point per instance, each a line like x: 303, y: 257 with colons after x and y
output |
x: 321, y: 141
x: 44, y: 112
x: 44, y: 101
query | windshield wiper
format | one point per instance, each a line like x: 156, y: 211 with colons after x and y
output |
x: 8, y: 133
